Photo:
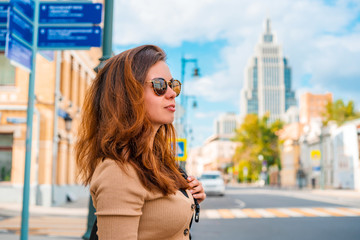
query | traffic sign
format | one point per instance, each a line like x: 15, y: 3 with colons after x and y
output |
x: 20, y: 27
x: 3, y: 31
x: 26, y: 7
x: 3, y: 12
x: 57, y: 38
x: 70, y: 12
x: 181, y: 149
x: 18, y: 53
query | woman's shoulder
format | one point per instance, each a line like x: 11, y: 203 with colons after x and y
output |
x: 110, y: 169
x: 110, y: 172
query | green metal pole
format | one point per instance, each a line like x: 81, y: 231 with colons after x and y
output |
x: 29, y: 122
x: 107, y: 53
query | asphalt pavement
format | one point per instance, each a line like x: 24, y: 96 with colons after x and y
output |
x: 68, y: 222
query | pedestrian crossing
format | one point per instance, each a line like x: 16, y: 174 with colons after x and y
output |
x: 279, y: 212
x: 76, y: 226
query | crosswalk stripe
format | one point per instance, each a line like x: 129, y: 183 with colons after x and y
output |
x: 303, y: 212
x: 251, y: 213
x: 351, y: 210
x: 277, y: 213
x: 238, y: 213
x: 212, y: 214
x: 290, y: 213
x: 317, y: 212
x: 341, y: 212
x: 226, y: 213
x: 264, y: 213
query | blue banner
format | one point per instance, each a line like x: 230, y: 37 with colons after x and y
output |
x: 70, y: 12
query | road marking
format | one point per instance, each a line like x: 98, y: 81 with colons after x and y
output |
x: 75, y: 227
x: 290, y: 213
x: 226, y: 213
x: 251, y: 213
x: 279, y: 212
x: 264, y: 213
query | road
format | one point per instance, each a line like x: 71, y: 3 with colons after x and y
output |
x: 258, y: 214
x: 248, y: 213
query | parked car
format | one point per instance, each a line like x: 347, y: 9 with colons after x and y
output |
x: 213, y: 183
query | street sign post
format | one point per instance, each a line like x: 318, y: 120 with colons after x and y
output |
x: 60, y: 32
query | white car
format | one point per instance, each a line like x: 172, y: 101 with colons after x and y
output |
x: 213, y: 183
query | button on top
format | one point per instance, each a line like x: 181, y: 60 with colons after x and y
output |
x: 186, y: 232
x: 192, y: 206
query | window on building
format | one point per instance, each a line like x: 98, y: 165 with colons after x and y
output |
x: 7, y: 72
x: 6, y: 142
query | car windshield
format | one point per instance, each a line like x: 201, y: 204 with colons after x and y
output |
x: 210, y: 176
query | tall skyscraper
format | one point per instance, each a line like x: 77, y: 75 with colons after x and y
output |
x: 267, y: 83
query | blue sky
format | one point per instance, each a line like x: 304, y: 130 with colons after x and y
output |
x: 321, y: 40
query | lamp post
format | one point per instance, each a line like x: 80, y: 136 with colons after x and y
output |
x: 184, y: 97
x: 107, y: 53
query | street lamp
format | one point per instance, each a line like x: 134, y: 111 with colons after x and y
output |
x: 184, y: 97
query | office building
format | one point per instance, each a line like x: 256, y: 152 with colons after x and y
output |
x: 267, y: 82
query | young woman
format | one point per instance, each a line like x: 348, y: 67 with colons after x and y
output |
x: 124, y: 150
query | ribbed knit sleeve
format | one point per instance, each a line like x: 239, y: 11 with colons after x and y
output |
x: 118, y: 197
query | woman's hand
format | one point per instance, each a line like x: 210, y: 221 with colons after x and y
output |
x: 196, y: 189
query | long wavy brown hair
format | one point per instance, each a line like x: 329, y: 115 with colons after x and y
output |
x: 115, y: 124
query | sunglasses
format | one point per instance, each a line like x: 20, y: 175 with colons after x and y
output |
x: 160, y: 86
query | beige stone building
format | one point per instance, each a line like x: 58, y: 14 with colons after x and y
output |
x: 60, y: 86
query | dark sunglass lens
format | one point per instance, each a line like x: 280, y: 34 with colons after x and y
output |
x: 160, y: 86
x: 176, y: 86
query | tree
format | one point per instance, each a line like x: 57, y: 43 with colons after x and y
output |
x: 339, y: 112
x: 257, y: 137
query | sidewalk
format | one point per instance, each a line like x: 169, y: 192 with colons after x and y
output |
x: 66, y: 222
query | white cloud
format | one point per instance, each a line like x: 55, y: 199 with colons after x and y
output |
x: 317, y: 38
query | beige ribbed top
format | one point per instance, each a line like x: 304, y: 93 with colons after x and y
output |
x: 126, y: 210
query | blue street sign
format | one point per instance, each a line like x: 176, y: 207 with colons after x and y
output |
x: 70, y: 12
x: 181, y: 149
x: 20, y: 27
x: 3, y: 31
x: 26, y: 7
x: 18, y: 53
x: 69, y: 37
x: 3, y: 12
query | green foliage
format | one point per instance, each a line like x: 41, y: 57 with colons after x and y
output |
x: 339, y: 112
x: 256, y: 137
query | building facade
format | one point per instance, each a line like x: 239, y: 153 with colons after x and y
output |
x: 312, y: 106
x: 60, y: 86
x: 267, y: 82
x: 226, y: 124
